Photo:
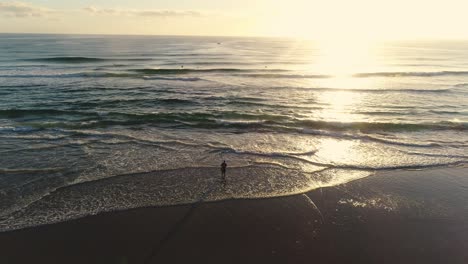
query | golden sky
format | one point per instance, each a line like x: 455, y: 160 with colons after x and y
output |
x: 316, y: 19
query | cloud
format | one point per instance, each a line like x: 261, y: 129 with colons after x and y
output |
x: 20, y: 9
x: 24, y: 10
x: 142, y: 13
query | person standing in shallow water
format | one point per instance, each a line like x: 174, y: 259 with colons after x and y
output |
x: 223, y: 170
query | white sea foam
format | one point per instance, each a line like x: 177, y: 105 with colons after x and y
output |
x: 148, y: 125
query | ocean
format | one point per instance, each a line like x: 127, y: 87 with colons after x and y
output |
x: 90, y: 124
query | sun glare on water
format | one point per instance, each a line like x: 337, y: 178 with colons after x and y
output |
x: 344, y: 57
x: 341, y: 60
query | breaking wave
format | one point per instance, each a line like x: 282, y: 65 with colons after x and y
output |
x: 211, y: 120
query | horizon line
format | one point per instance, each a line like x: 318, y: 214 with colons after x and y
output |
x: 224, y: 36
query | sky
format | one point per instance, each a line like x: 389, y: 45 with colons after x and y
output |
x: 314, y: 19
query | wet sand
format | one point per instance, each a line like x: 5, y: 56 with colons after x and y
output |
x: 390, y: 217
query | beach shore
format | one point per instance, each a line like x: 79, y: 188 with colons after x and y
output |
x: 390, y: 217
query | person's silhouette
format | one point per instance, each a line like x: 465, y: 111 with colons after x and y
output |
x: 223, y: 170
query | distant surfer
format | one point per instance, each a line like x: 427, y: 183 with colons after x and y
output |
x: 223, y: 170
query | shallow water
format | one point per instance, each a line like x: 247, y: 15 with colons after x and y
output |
x: 93, y: 123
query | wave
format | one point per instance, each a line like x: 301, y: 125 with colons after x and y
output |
x: 84, y: 59
x: 22, y: 66
x: 287, y: 76
x: 90, y: 119
x: 445, y: 112
x: 30, y: 171
x: 380, y: 126
x: 365, y: 90
x: 38, y: 75
x: 258, y: 103
x: 147, y: 74
x: 104, y: 74
x: 366, y: 137
x: 209, y: 63
x: 188, y: 79
x: 435, y: 155
x: 396, y: 167
x: 164, y: 74
x: 399, y: 143
x: 250, y: 124
x: 23, y: 85
x: 212, y: 70
x: 156, y: 188
x: 130, y: 103
x: 183, y: 54
x: 288, y: 155
x: 239, y: 122
x: 173, y: 187
x: 411, y: 74
x: 18, y: 113
x: 76, y: 75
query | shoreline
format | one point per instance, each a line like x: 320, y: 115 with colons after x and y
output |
x: 391, y: 217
